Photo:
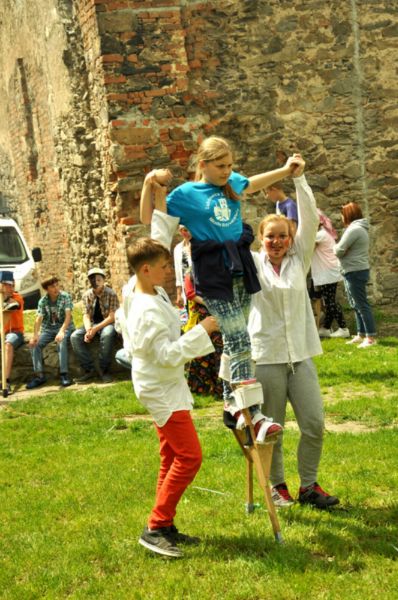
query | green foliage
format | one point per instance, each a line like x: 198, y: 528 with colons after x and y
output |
x: 77, y: 480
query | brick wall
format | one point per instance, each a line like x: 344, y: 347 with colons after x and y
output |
x: 144, y: 81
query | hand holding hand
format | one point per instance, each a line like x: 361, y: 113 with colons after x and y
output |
x: 209, y: 324
x: 159, y: 178
x: 296, y: 165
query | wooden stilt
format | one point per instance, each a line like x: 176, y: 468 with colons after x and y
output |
x: 259, y: 455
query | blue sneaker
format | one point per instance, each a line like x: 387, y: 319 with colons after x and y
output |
x: 36, y: 382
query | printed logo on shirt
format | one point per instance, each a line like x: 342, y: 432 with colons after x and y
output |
x: 222, y: 212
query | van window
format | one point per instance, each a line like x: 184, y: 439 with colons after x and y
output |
x: 12, y: 250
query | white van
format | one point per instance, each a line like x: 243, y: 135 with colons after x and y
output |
x: 16, y: 256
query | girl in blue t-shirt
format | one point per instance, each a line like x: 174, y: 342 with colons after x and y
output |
x: 224, y: 271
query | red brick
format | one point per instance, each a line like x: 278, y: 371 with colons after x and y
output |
x: 112, y: 58
x: 127, y: 221
x: 109, y: 79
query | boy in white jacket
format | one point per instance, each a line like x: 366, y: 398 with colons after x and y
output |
x: 159, y: 354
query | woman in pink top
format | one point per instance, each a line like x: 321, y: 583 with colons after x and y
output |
x: 326, y: 273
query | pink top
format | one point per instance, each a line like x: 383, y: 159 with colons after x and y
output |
x: 325, y: 266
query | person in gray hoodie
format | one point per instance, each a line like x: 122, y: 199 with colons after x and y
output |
x: 353, y: 252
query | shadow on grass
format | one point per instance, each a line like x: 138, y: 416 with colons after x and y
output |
x: 338, y: 540
x: 387, y: 342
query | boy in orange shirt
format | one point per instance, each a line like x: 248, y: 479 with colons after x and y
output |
x: 13, y: 320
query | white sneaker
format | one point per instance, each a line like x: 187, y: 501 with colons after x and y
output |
x: 324, y: 333
x: 341, y: 333
x: 367, y: 342
x: 357, y: 339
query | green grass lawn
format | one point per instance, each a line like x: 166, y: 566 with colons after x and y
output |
x: 77, y: 478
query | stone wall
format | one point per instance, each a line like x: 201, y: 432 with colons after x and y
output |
x: 100, y: 91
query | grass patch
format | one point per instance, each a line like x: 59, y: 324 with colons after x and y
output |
x: 77, y: 478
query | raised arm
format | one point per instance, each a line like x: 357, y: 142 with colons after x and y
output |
x: 293, y: 167
x: 154, y: 187
x: 304, y: 240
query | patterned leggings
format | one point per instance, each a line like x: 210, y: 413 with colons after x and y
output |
x: 232, y: 319
x: 333, y: 309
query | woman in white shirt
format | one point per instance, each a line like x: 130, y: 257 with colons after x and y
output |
x: 284, y: 338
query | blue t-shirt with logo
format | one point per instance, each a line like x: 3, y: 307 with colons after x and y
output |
x: 206, y: 211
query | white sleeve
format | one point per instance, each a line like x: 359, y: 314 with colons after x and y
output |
x: 178, y: 264
x: 163, y: 227
x: 308, y: 224
x: 151, y: 336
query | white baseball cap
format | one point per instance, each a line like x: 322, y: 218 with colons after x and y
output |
x: 96, y: 271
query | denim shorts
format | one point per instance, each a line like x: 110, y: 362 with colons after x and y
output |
x: 15, y: 339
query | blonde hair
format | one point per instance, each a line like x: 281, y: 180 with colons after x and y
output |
x: 276, y: 219
x: 214, y: 148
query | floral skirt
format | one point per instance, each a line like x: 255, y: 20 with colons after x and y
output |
x: 202, y: 372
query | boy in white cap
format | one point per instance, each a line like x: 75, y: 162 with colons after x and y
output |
x: 100, y: 304
x: 13, y: 321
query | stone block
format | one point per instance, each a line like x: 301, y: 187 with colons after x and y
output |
x: 117, y: 21
x: 22, y: 370
x: 132, y: 136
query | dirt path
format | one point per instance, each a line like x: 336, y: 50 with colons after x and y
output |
x: 212, y: 415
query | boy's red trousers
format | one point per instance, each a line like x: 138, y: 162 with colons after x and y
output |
x: 180, y: 460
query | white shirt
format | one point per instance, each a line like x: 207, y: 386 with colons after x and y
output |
x: 162, y: 229
x: 325, y: 266
x: 159, y: 354
x: 281, y: 322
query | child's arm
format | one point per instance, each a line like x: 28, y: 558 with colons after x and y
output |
x: 150, y: 336
x: 154, y: 182
x: 163, y: 226
x: 264, y: 180
x: 36, y: 331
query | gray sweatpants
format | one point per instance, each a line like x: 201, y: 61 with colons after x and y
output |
x: 300, y: 386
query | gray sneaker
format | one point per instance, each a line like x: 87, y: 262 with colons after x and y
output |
x: 160, y: 541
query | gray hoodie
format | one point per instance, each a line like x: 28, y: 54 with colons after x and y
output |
x: 353, y: 248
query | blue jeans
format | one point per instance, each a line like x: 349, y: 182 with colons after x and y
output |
x: 232, y: 319
x: 48, y: 335
x: 82, y: 348
x: 122, y: 359
x: 16, y: 339
x: 355, y: 286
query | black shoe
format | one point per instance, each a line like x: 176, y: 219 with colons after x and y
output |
x: 35, y: 382
x: 8, y: 388
x: 106, y: 378
x: 65, y: 381
x: 160, y: 541
x: 88, y: 375
x: 317, y: 497
x: 183, y: 538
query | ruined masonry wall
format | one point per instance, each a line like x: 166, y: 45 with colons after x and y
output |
x: 134, y: 84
